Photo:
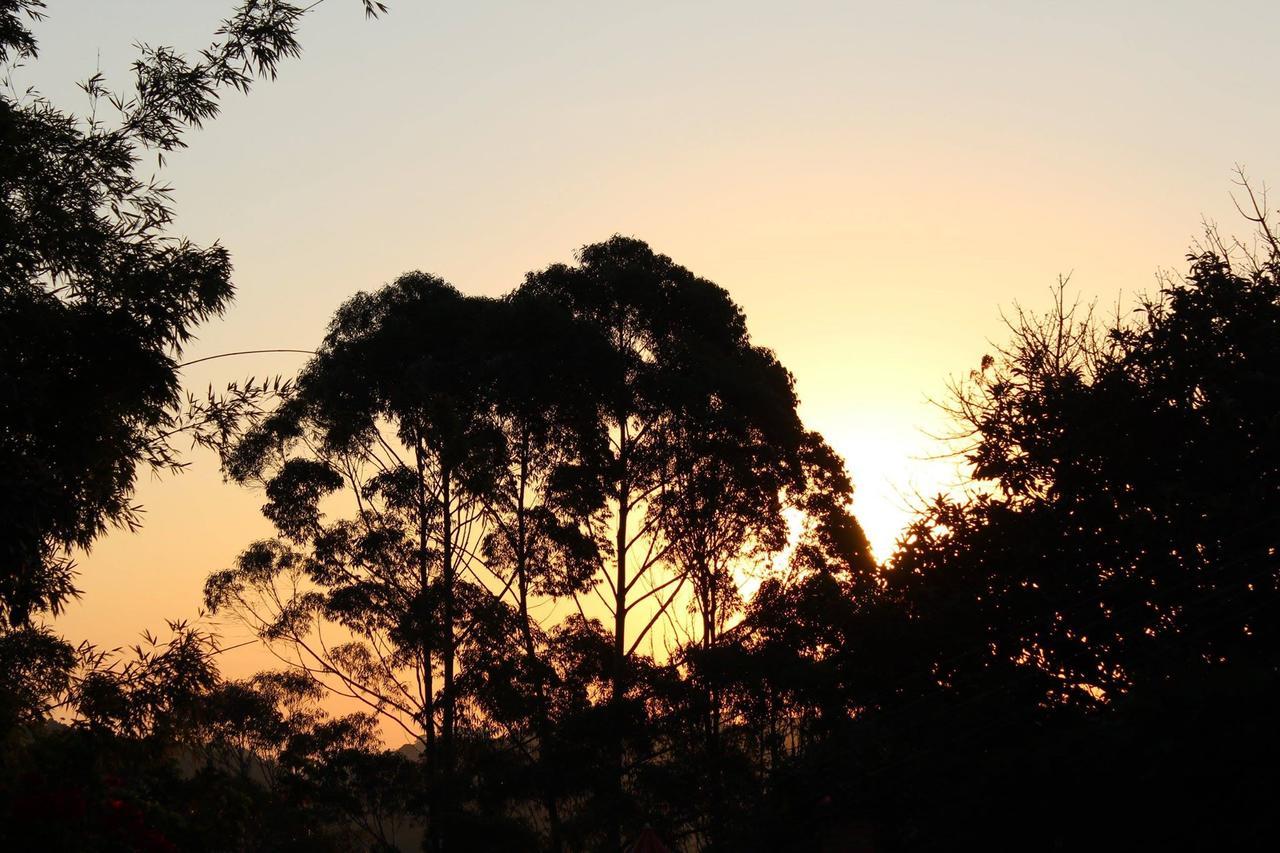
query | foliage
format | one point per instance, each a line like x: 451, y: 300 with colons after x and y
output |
x: 97, y: 301
x: 1122, y: 560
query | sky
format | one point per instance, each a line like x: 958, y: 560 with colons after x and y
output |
x: 871, y: 182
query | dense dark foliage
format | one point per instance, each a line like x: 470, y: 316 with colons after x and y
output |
x: 97, y: 298
x: 605, y: 438
x: 1103, y: 619
x: 1083, y: 641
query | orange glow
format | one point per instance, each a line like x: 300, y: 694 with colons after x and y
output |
x: 870, y: 206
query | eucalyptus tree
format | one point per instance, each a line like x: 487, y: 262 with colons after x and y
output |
x: 815, y: 573
x: 669, y: 332
x: 704, y: 446
x: 737, y: 459
x: 607, y: 432
x: 537, y: 363
x: 387, y: 413
x: 458, y: 429
x: 736, y: 465
x: 722, y: 516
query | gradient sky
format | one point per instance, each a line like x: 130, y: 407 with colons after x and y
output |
x: 870, y: 181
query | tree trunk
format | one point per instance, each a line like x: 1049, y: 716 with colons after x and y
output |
x: 447, y: 723
x: 619, y: 686
x: 428, y: 723
x: 541, y: 719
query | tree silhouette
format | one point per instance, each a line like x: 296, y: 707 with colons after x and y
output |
x: 456, y: 426
x: 699, y: 423
x: 98, y: 299
x: 1129, y: 528
x: 481, y: 446
x: 1121, y: 566
x: 156, y: 743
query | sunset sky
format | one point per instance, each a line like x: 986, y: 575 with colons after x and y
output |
x: 871, y: 182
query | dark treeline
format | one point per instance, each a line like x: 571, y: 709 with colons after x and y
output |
x: 575, y: 548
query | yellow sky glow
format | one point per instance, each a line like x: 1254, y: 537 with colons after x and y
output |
x: 870, y: 183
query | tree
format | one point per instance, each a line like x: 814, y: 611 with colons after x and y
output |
x: 154, y: 741
x: 1108, y: 600
x: 481, y: 445
x: 1128, y: 530
x: 456, y: 427
x: 703, y: 445
x: 97, y: 298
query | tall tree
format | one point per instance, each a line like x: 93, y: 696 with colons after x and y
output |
x: 700, y: 423
x: 389, y: 411
x: 458, y: 427
x: 493, y: 451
